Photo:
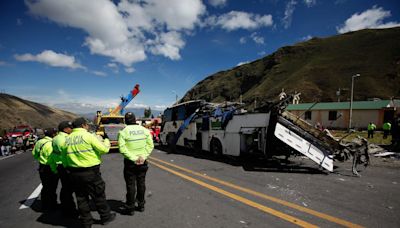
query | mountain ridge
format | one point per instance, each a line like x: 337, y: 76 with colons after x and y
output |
x: 17, y: 111
x: 316, y: 68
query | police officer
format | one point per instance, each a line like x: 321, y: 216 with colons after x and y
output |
x: 386, y: 129
x: 371, y: 128
x: 135, y: 144
x: 66, y: 198
x: 82, y: 158
x: 42, y: 152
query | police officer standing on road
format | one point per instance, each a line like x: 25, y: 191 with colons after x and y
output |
x: 135, y: 143
x: 66, y: 198
x: 82, y: 158
x: 42, y: 152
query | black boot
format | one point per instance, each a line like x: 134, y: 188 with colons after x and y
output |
x: 109, y: 219
x: 140, y: 207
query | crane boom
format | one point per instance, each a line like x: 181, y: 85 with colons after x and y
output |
x: 125, y: 101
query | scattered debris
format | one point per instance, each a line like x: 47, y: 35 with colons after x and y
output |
x: 384, y: 154
x: 305, y: 204
x: 373, y: 149
x: 341, y: 179
x: 243, y: 222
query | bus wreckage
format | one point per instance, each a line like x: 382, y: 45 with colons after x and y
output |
x: 228, y: 129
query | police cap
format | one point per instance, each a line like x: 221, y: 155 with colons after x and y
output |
x: 65, y: 124
x: 79, y: 122
x: 50, y: 132
x: 130, y: 118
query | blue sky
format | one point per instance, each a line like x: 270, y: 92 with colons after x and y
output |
x: 82, y: 55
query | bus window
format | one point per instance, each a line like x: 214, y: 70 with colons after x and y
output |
x: 181, y: 110
x: 167, y: 115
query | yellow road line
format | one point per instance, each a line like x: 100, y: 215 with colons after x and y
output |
x: 263, y: 208
x: 261, y: 195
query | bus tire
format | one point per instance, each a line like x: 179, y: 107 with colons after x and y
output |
x: 216, y: 147
x: 170, y: 143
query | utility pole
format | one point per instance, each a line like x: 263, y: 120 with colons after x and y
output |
x: 351, y: 98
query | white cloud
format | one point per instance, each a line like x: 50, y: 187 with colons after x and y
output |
x: 129, y: 70
x: 242, y: 63
x: 289, y: 10
x: 262, y: 53
x: 305, y: 38
x: 2, y: 63
x: 114, y: 67
x: 126, y: 31
x: 83, y: 104
x: 240, y: 20
x: 99, y: 73
x: 217, y: 3
x: 310, y: 3
x: 168, y: 45
x: 51, y: 58
x: 19, y: 21
x: 160, y: 107
x: 256, y: 38
x: 371, y: 18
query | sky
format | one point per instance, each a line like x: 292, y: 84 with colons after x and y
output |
x: 81, y: 56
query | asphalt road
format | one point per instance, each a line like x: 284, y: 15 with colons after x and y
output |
x: 187, y: 190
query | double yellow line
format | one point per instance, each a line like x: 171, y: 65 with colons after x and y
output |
x: 263, y: 208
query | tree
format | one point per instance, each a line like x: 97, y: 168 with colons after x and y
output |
x: 147, y: 112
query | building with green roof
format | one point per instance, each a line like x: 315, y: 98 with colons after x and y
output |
x: 336, y: 115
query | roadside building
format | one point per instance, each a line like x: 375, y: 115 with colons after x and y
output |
x: 336, y: 115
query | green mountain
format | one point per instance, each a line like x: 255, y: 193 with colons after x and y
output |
x: 316, y: 68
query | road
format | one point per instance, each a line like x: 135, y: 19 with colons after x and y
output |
x: 187, y: 190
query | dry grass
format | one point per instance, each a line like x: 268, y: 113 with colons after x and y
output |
x: 378, y: 136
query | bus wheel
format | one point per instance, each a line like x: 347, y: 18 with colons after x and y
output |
x: 170, y: 142
x: 216, y: 147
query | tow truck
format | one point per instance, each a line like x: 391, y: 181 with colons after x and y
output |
x: 110, y: 124
x: 229, y: 129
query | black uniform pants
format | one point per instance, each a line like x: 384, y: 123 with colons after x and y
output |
x: 370, y: 134
x: 66, y: 197
x: 385, y: 133
x: 135, y: 177
x: 87, y: 183
x: 49, y: 180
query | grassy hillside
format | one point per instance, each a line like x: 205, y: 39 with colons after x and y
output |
x: 317, y: 68
x: 16, y: 111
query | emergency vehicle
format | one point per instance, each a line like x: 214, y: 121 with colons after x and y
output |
x: 113, y: 122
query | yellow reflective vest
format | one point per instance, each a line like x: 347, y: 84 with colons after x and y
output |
x: 58, y: 146
x: 371, y: 127
x: 43, y: 150
x: 135, y: 141
x: 83, y: 149
x: 387, y: 126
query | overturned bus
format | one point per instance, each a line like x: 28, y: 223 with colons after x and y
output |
x: 228, y: 129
